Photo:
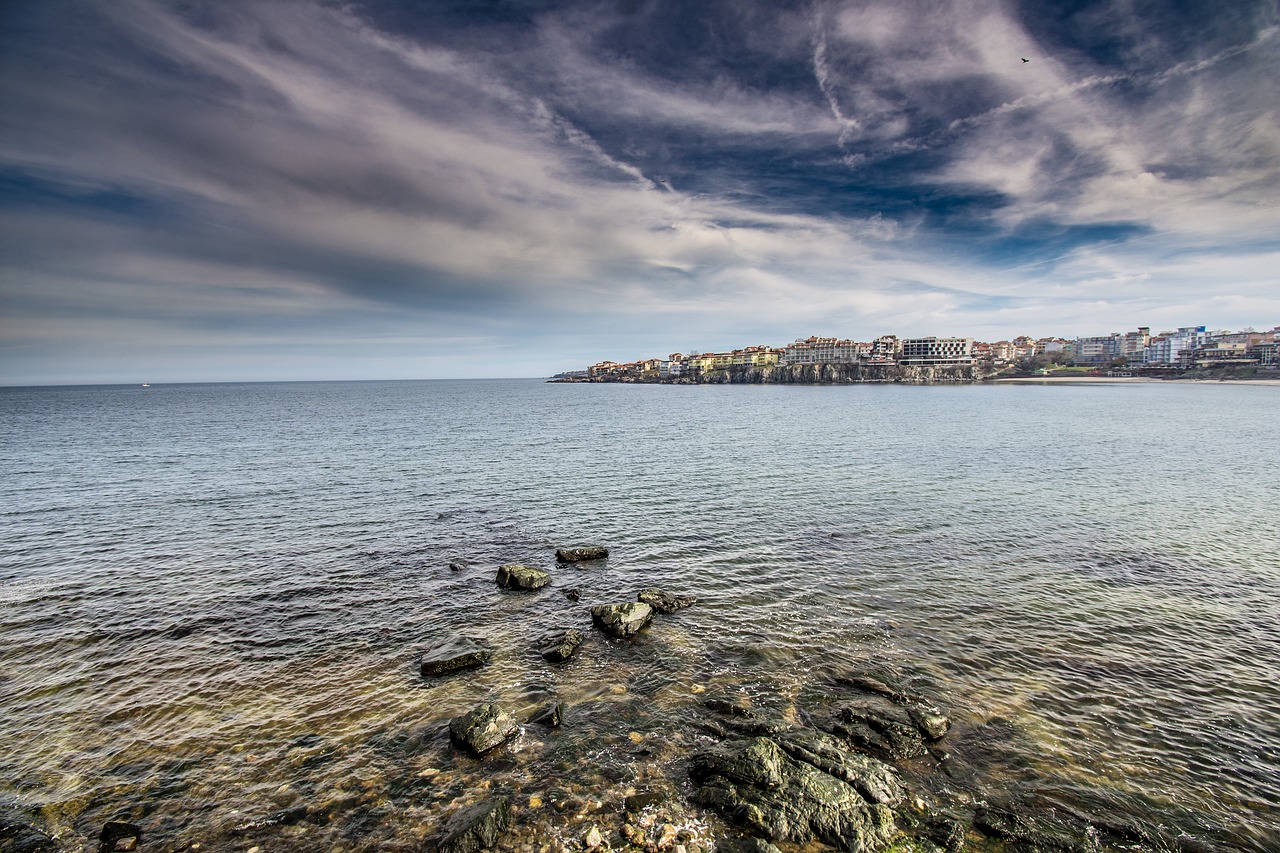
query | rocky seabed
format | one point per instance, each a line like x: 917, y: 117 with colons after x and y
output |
x: 856, y: 762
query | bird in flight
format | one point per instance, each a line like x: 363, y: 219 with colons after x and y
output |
x: 1024, y: 59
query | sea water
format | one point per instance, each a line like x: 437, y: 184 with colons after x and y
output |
x: 212, y: 596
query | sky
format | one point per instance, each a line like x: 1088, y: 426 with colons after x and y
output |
x: 225, y: 191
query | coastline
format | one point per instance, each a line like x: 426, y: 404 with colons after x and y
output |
x: 1107, y: 380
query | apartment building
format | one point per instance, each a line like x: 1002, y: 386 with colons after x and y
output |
x: 935, y: 351
x: 815, y: 350
x: 1096, y: 349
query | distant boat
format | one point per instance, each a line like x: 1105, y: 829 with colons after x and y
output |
x: 145, y: 385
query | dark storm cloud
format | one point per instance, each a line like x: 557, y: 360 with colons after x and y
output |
x: 473, y: 180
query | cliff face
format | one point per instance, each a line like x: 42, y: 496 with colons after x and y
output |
x: 839, y: 374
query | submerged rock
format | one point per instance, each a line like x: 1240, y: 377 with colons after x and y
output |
x: 453, y: 654
x: 745, y: 845
x: 664, y: 602
x: 639, y: 802
x: 573, y: 593
x: 883, y: 683
x: 621, y: 620
x: 931, y: 723
x: 757, y: 784
x: 1008, y: 823
x: 118, y: 835
x: 475, y: 827
x: 559, y: 646
x: 879, y: 727
x: 736, y: 718
x: 577, y: 555
x: 483, y: 728
x: 19, y: 836
x: 517, y: 576
x: 552, y: 716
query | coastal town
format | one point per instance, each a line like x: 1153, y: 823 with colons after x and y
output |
x: 1185, y: 351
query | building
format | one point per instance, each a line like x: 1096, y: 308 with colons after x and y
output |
x: 815, y: 350
x: 1097, y: 349
x: 709, y: 361
x: 757, y: 356
x: 1175, y: 349
x: 602, y: 369
x: 1024, y: 347
x: 931, y: 351
x: 1133, y: 346
x: 885, y: 349
x: 1002, y: 351
x: 1218, y: 353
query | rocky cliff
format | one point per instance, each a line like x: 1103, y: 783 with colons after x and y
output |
x: 838, y: 374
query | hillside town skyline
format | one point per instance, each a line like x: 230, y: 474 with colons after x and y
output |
x: 1184, y: 348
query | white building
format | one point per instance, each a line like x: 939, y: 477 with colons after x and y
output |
x: 1174, y: 348
x: 930, y: 351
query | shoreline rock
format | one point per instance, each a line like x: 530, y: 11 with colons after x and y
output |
x: 756, y: 784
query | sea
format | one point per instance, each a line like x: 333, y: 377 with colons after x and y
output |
x: 213, y: 598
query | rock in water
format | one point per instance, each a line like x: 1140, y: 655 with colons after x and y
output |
x: 882, y: 728
x: 577, y: 555
x: 551, y: 716
x: 621, y: 620
x: 931, y: 724
x: 876, y: 781
x: 664, y: 602
x: 521, y: 577
x: 757, y: 784
x: 483, y: 728
x: 559, y: 646
x: 453, y: 654
x: 19, y: 836
x: 476, y: 827
x: 118, y: 835
x: 745, y: 845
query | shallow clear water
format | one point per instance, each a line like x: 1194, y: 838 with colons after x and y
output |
x: 212, y: 596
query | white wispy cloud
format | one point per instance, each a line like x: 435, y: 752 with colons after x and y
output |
x: 292, y: 163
